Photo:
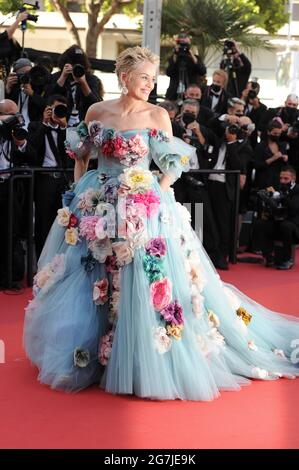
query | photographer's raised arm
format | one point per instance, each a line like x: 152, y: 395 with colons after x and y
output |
x: 13, y: 27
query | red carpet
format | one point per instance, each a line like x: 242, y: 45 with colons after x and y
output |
x: 263, y: 415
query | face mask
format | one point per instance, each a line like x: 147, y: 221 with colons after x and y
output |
x: 274, y: 138
x: 291, y: 111
x: 285, y: 187
x: 239, y: 115
x: 215, y: 88
x: 187, y: 118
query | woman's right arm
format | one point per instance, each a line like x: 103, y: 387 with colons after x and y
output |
x: 81, y: 165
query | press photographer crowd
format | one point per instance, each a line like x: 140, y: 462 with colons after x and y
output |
x: 225, y: 121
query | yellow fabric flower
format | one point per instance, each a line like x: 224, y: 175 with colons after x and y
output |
x: 138, y: 179
x: 213, y: 318
x: 71, y: 236
x: 184, y: 160
x: 246, y: 317
x: 175, y: 331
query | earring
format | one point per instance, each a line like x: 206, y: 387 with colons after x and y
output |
x: 124, y: 89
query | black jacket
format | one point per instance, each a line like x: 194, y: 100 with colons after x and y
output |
x: 36, y: 103
x: 82, y: 102
x: 293, y: 206
x: 37, y: 146
x: 221, y: 107
x: 192, y: 74
x: 238, y: 77
x: 267, y: 175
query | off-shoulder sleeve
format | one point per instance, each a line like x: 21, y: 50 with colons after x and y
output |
x: 78, y: 141
x: 170, y: 154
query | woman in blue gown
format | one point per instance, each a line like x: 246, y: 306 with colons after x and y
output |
x: 125, y: 295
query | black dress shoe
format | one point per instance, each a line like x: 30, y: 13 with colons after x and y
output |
x: 285, y: 265
x: 221, y: 264
x: 269, y: 261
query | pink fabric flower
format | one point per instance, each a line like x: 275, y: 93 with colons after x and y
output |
x: 161, y: 293
x: 108, y: 147
x: 120, y: 146
x: 153, y: 132
x: 149, y: 199
x: 138, y: 146
x: 87, y: 227
x: 173, y: 313
x: 156, y: 247
x: 105, y: 348
x: 100, y: 292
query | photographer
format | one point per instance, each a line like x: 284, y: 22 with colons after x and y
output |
x: 193, y: 92
x: 184, y: 67
x: 25, y: 86
x: 254, y: 109
x: 46, y: 139
x: 76, y: 82
x: 215, y: 96
x: 235, y: 110
x: 279, y: 219
x: 193, y: 189
x: 222, y: 190
x: 13, y: 153
x: 287, y: 113
x: 237, y: 66
x: 270, y: 156
x: 10, y: 49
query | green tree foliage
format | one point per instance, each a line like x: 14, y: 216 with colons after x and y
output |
x: 209, y: 22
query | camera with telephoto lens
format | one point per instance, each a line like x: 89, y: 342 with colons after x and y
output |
x: 78, y: 70
x: 273, y: 205
x: 252, y: 94
x: 30, y: 17
x: 229, y: 47
x: 13, y: 126
x: 38, y: 77
x: 60, y: 111
x: 183, y: 46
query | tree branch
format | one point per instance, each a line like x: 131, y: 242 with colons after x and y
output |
x: 70, y: 27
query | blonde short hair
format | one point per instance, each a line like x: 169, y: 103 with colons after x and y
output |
x: 222, y: 74
x: 131, y: 57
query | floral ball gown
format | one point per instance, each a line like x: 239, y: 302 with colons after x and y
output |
x: 125, y: 295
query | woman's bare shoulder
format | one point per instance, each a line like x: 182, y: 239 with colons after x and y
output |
x: 160, y: 117
x: 97, y: 110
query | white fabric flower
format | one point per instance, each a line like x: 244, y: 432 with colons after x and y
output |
x: 63, y: 216
x: 124, y: 252
x: 259, y: 373
x: 162, y: 341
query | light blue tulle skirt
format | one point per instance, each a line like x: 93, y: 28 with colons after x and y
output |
x: 227, y: 338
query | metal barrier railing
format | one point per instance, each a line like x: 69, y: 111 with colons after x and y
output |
x: 27, y: 173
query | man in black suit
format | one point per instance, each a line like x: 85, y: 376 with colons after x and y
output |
x: 254, y: 109
x: 282, y: 224
x: 13, y: 153
x: 28, y: 96
x: 238, y: 67
x: 76, y: 82
x: 184, y: 67
x: 46, y: 141
x: 215, y: 96
x: 222, y: 189
x: 194, y: 92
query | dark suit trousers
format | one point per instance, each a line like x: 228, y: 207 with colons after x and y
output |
x: 47, y: 200
x: 222, y: 210
x: 267, y: 231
